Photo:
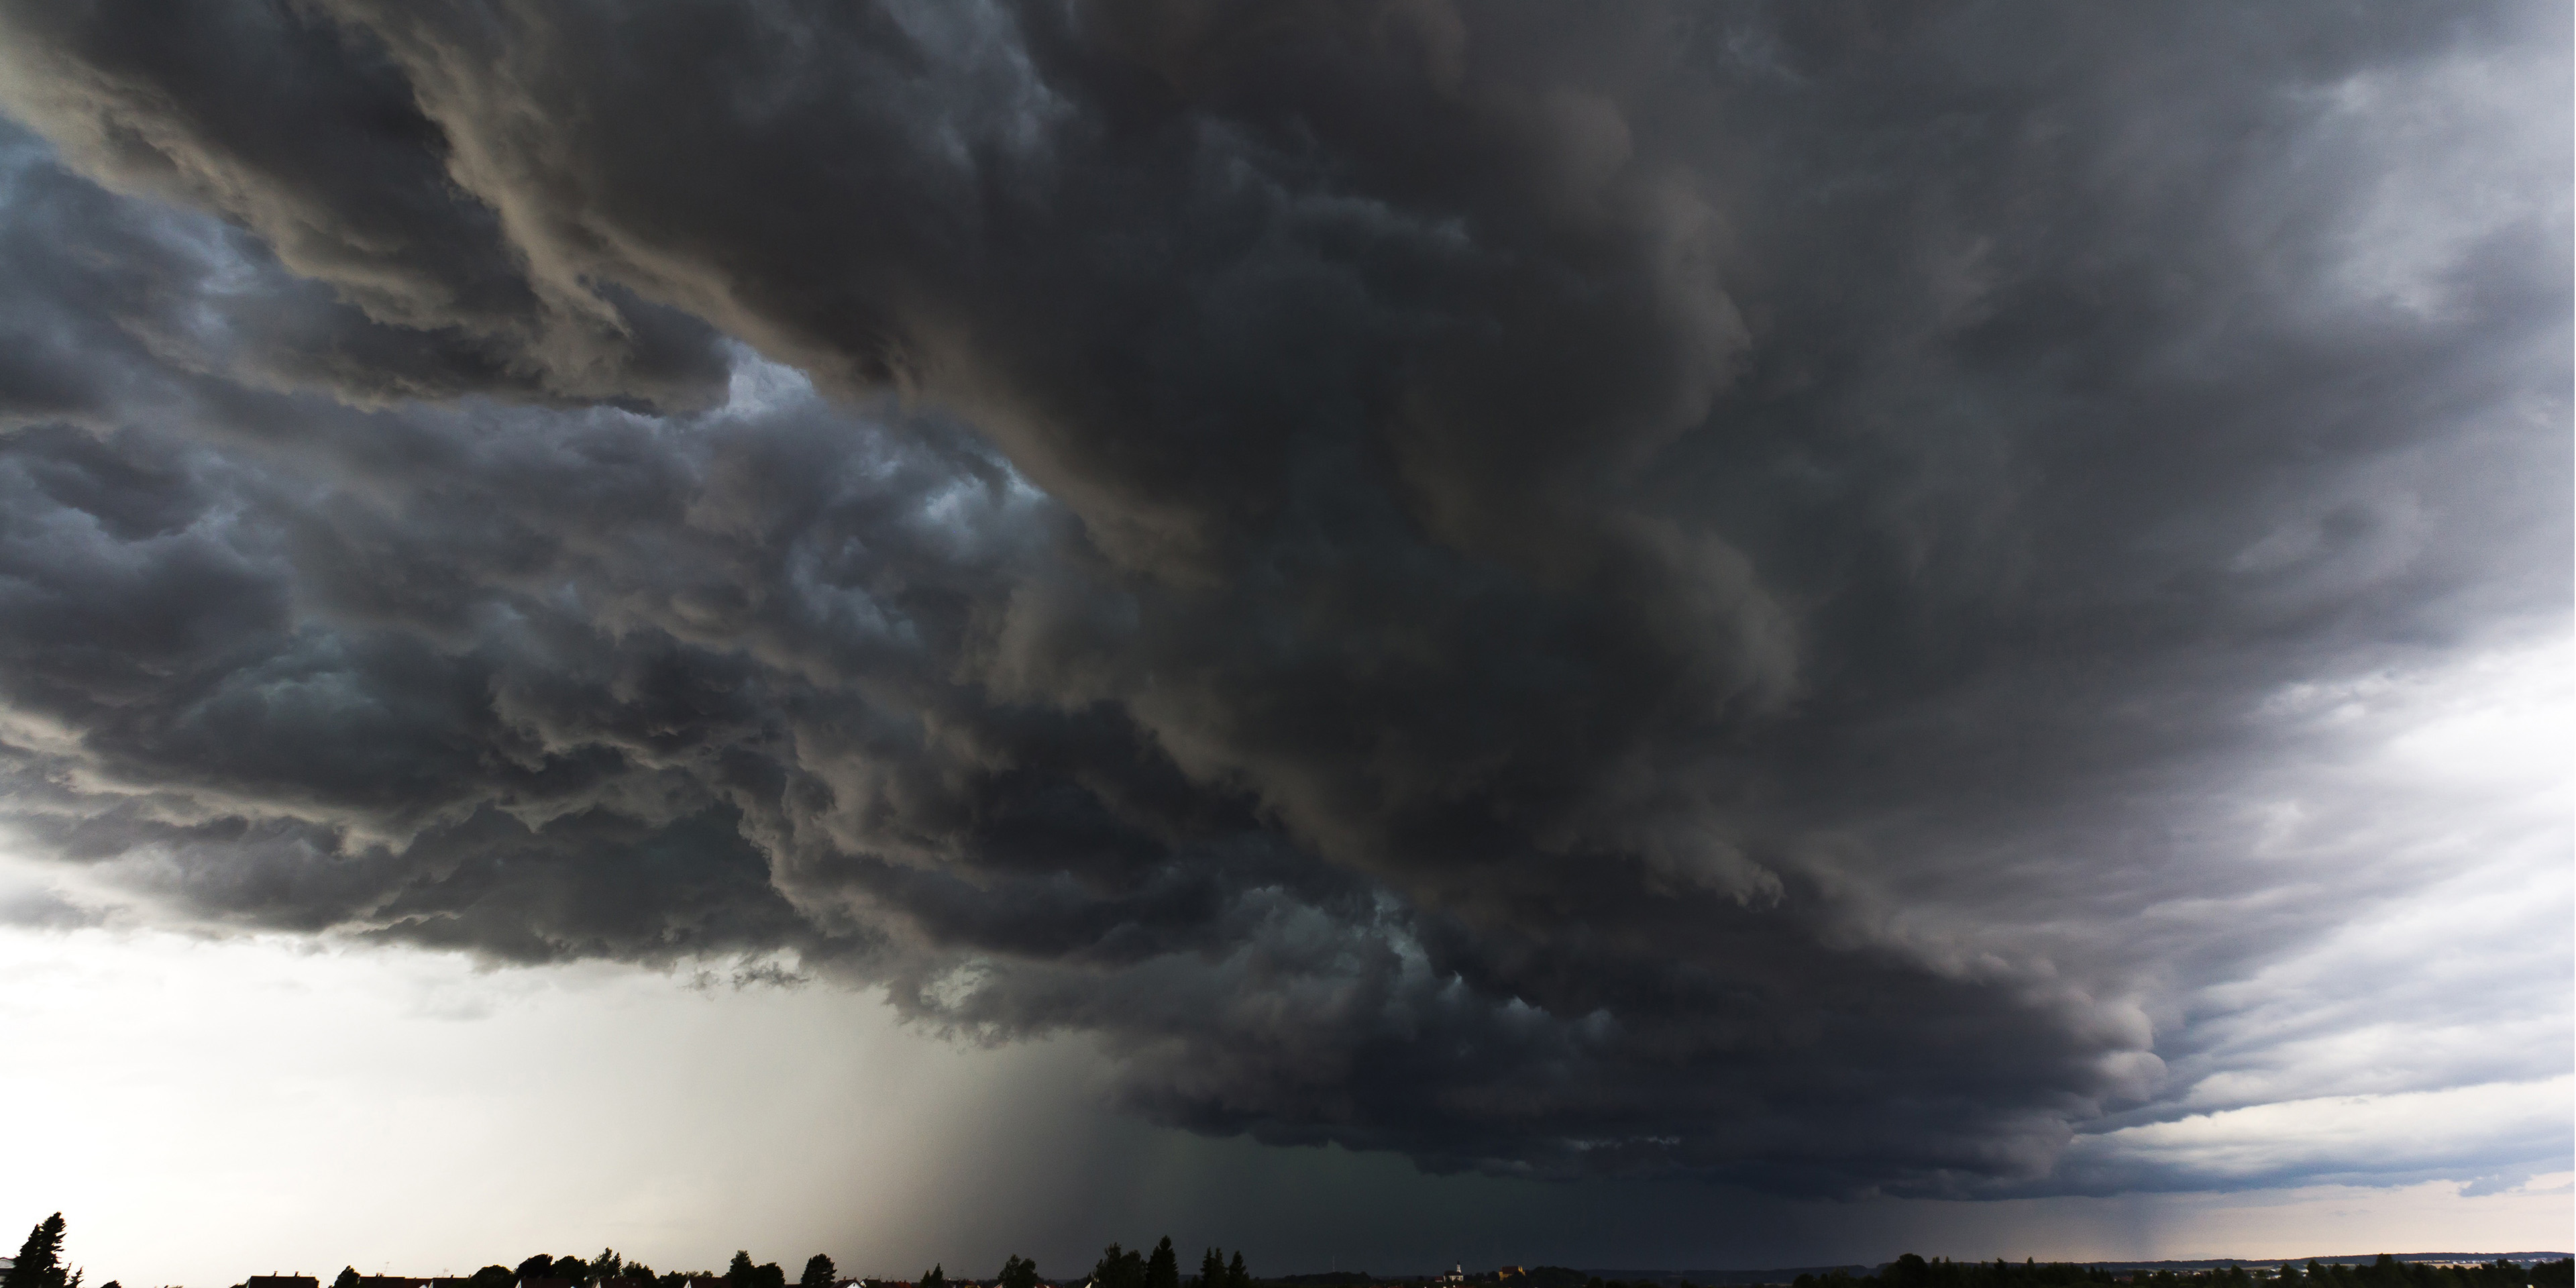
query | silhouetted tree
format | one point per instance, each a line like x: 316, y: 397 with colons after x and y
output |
x: 606, y: 1266
x: 1118, y: 1269
x: 539, y: 1266
x: 492, y: 1277
x: 1163, y: 1269
x: 572, y: 1268
x: 818, y: 1272
x: 348, y: 1278
x: 40, y: 1259
x: 935, y: 1277
x: 1211, y: 1270
x: 1236, y: 1275
x: 1019, y: 1272
x: 739, y: 1271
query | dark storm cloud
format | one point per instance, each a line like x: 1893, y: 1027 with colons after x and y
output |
x: 1552, y: 592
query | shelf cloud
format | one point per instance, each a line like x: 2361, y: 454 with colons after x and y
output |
x: 1837, y: 599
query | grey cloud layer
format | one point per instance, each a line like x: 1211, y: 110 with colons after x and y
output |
x: 1550, y: 593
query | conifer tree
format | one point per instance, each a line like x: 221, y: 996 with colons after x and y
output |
x: 1118, y: 1268
x: 818, y: 1272
x: 1163, y: 1269
x: 1236, y: 1275
x: 40, y: 1259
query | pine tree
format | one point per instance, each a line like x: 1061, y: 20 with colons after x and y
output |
x: 818, y: 1272
x: 935, y: 1277
x: 1118, y: 1268
x: 1163, y: 1269
x: 40, y: 1259
x: 1211, y: 1270
x: 1236, y: 1276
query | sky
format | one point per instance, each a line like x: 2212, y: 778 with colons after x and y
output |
x: 1384, y: 633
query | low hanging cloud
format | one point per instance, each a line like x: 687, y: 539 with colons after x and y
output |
x: 1747, y: 591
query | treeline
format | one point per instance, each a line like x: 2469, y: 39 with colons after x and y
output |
x: 40, y: 1265
x: 609, y: 1269
x: 1911, y: 1271
x: 1125, y: 1268
x: 1117, y: 1268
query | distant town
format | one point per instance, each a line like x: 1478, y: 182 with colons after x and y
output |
x: 40, y: 1263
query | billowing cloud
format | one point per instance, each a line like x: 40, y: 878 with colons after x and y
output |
x: 1789, y: 594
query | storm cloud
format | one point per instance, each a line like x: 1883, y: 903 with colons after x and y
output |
x: 1731, y: 591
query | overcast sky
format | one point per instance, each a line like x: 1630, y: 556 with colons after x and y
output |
x: 1383, y: 632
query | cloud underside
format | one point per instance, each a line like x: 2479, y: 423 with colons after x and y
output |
x: 1777, y: 593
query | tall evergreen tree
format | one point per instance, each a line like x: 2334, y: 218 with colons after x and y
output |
x: 1163, y: 1269
x: 1236, y: 1274
x: 1019, y: 1272
x: 1211, y: 1270
x: 40, y: 1259
x: 935, y: 1277
x: 818, y: 1272
x: 1118, y: 1268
